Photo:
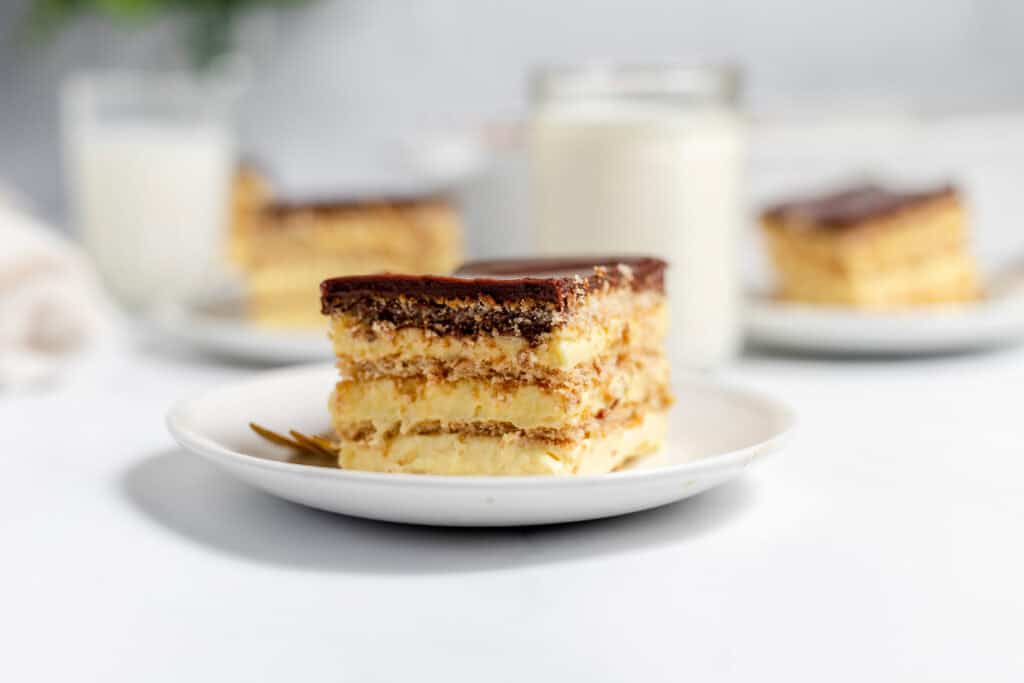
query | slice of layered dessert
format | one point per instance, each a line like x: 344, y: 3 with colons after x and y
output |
x: 508, y: 367
x: 872, y: 248
x: 293, y: 245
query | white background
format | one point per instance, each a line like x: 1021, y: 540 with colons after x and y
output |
x: 345, y: 78
x: 884, y: 544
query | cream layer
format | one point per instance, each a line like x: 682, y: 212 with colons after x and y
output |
x: 510, y: 454
x: 405, y: 403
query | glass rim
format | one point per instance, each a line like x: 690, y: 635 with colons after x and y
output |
x: 83, y: 93
x: 708, y: 80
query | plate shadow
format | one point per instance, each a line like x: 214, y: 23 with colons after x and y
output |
x: 197, y: 501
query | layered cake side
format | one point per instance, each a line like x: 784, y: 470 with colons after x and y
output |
x: 293, y: 246
x: 872, y: 248
x: 511, y: 367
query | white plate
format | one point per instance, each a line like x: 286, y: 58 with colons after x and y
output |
x: 216, y: 325
x: 998, y: 321
x: 715, y: 432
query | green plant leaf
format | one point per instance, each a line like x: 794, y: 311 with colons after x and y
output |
x: 211, y: 21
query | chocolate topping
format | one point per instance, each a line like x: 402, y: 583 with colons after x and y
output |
x: 853, y: 206
x: 642, y: 272
x: 286, y: 207
x: 526, y: 297
x: 549, y: 281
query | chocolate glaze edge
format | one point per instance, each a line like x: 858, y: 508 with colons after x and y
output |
x: 854, y: 206
x: 283, y: 208
x: 554, y: 282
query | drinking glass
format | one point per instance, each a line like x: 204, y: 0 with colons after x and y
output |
x: 149, y: 159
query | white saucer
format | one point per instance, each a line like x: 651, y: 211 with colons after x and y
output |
x: 997, y: 321
x: 217, y: 325
x: 715, y: 432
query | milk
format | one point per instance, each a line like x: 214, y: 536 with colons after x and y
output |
x: 636, y: 177
x: 150, y: 202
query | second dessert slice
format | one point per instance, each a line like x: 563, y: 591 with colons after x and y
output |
x: 511, y: 367
x: 290, y: 247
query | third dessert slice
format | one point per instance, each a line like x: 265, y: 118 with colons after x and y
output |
x: 872, y: 248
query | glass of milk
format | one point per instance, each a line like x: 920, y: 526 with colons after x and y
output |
x: 647, y: 159
x: 148, y: 161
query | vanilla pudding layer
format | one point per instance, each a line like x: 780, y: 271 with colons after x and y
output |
x: 618, y: 322
x: 508, y: 454
x: 609, y: 421
x: 404, y: 404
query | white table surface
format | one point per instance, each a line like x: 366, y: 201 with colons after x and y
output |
x: 884, y: 544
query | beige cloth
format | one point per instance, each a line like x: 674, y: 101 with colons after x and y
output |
x: 51, y: 305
